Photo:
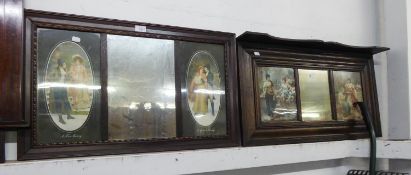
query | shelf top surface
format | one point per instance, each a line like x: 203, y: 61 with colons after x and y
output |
x: 269, y: 40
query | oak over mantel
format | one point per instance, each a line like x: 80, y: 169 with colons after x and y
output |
x: 296, y: 91
x: 104, y: 86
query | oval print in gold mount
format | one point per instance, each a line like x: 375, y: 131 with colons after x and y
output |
x: 204, y: 90
x: 70, y: 79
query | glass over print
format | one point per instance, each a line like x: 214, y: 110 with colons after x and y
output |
x: 202, y: 88
x: 204, y: 91
x: 315, y: 95
x: 70, y: 79
x: 276, y: 91
x: 141, y: 88
x: 68, y: 86
x: 348, y: 90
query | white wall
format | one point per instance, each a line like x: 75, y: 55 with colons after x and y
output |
x: 398, y: 36
x: 398, y: 67
x: 346, y: 21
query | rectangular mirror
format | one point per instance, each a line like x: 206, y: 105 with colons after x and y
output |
x: 141, y: 88
x: 315, y: 95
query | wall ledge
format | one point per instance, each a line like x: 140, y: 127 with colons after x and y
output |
x: 194, y: 161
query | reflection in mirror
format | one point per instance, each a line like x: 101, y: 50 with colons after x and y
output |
x: 276, y: 90
x: 348, y: 90
x: 315, y: 95
x: 141, y: 88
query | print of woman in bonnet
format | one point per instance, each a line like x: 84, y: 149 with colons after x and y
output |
x: 59, y: 92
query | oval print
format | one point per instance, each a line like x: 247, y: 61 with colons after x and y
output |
x: 69, y: 78
x: 203, y: 88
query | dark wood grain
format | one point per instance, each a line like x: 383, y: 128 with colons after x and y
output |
x: 11, y: 67
x: 232, y: 79
x: 2, y: 146
x: 29, y: 149
x: 374, y: 111
x: 302, y: 54
x: 178, y: 100
x: 297, y: 94
x: 246, y: 82
x: 104, y: 95
x: 314, y: 45
x: 332, y: 94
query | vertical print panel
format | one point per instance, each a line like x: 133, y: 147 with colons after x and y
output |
x: 203, y: 102
x: 68, y: 87
x: 348, y: 90
x: 277, y: 95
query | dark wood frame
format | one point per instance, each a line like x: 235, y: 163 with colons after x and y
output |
x: 27, y: 149
x: 311, y: 54
x: 12, y: 107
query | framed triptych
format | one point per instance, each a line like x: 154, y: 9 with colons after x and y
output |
x: 295, y: 91
x: 99, y: 86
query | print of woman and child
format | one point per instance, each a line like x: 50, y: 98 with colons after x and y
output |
x: 284, y: 95
x: 60, y: 94
x: 348, y: 97
x: 202, y: 80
